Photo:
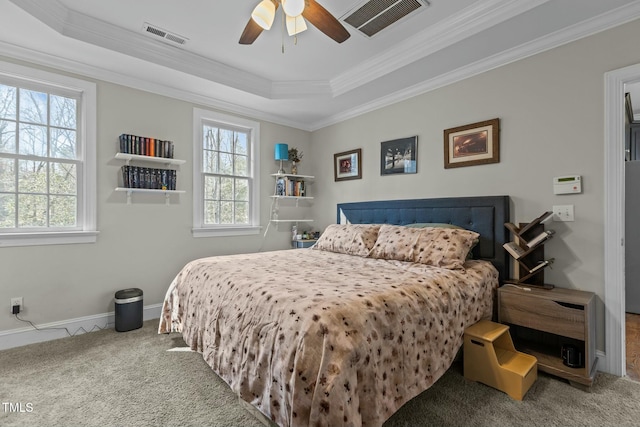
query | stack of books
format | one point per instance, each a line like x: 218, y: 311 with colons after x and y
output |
x: 148, y: 178
x: 288, y: 186
x: 143, y: 146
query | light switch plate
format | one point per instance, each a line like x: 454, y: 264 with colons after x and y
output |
x: 563, y: 213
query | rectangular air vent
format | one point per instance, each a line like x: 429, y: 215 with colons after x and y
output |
x: 163, y: 34
x: 374, y: 16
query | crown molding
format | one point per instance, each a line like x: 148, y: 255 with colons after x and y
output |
x: 608, y: 20
x: 94, y: 31
x: 13, y: 53
x: 288, y: 90
x: 85, y: 28
x: 445, y: 33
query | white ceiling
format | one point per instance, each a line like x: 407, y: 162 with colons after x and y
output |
x: 315, y: 82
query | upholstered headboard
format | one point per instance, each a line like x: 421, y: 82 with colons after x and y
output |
x: 485, y: 215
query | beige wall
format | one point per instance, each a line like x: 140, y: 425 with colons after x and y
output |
x: 140, y: 245
x: 551, y: 109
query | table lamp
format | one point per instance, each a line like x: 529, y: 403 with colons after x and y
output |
x: 281, y: 153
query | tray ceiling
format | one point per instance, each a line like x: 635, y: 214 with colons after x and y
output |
x: 316, y: 81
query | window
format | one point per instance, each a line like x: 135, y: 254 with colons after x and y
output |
x: 225, y: 175
x: 47, y: 158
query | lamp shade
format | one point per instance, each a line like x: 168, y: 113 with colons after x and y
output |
x: 295, y: 25
x: 282, y: 152
x: 264, y: 13
x: 293, y: 8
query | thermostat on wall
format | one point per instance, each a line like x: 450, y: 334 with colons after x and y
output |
x: 567, y: 184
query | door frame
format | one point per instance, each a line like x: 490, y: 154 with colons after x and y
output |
x: 614, y: 216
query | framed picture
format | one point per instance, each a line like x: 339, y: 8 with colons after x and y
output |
x: 474, y: 144
x: 346, y: 165
x: 399, y: 156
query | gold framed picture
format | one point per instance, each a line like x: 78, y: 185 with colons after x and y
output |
x: 473, y: 144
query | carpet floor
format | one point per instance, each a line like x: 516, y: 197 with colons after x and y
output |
x: 108, y: 378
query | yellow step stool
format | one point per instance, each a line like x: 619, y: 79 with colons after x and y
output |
x: 491, y: 358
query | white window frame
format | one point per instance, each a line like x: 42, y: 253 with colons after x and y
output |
x: 86, y: 231
x: 200, y: 229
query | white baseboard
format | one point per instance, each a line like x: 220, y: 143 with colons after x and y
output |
x: 28, y: 335
x: 603, y: 364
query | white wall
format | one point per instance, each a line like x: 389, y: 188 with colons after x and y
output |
x: 551, y: 110
x: 140, y: 245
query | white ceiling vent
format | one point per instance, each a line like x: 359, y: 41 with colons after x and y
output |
x: 373, y: 16
x: 163, y: 34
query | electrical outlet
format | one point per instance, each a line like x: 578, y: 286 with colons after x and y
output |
x: 563, y: 213
x: 16, y: 301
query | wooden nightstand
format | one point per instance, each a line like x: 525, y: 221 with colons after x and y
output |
x: 543, y: 321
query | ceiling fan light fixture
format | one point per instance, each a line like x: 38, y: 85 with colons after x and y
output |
x: 293, y: 7
x: 264, y: 13
x: 295, y: 25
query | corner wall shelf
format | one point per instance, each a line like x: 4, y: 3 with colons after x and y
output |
x: 289, y: 187
x: 292, y: 197
x: 290, y: 175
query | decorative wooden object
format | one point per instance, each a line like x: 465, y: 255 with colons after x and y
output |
x: 528, y: 250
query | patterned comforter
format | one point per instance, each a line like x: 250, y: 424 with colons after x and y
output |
x: 316, y: 338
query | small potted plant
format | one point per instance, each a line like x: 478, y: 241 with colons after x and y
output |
x: 295, y: 157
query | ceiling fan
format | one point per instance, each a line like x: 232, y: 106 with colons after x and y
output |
x: 295, y: 13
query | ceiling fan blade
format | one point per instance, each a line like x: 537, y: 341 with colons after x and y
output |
x: 324, y: 21
x: 250, y: 33
x: 253, y: 30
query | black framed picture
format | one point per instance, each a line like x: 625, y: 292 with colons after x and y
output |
x: 399, y: 156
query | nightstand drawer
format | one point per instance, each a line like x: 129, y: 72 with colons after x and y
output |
x: 547, y: 315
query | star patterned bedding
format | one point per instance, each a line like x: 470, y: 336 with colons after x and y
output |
x: 340, y: 334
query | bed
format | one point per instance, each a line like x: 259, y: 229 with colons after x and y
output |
x: 346, y: 332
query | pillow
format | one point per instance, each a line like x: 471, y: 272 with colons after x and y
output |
x: 438, y: 247
x: 352, y: 239
x: 433, y: 224
x: 443, y: 225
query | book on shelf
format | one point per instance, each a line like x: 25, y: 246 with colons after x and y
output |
x: 540, y: 238
x: 143, y: 146
x: 514, y: 249
x: 288, y: 186
x: 148, y: 178
x: 541, y: 265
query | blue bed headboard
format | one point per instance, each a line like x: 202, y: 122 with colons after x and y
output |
x: 485, y: 215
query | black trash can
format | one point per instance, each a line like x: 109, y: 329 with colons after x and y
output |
x: 128, y: 309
